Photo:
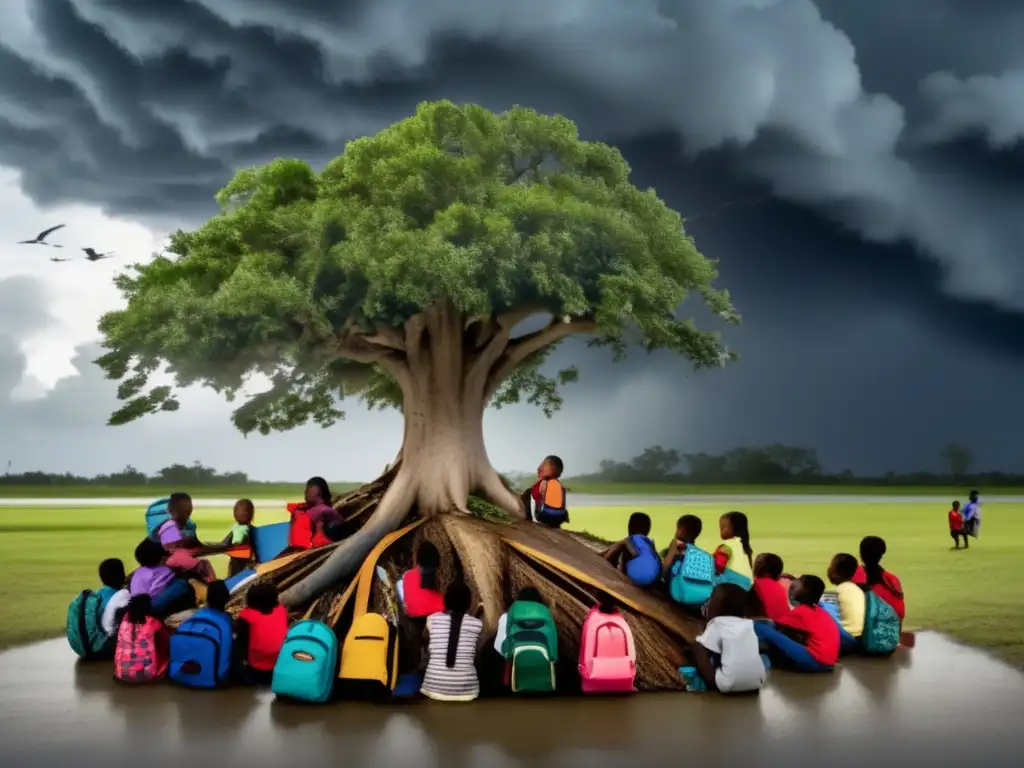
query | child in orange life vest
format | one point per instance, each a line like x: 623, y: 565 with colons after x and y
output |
x: 181, y: 548
x: 259, y: 634
x: 547, y: 494
x: 688, y: 528
x: 417, y: 591
x: 734, y: 552
x: 956, y: 525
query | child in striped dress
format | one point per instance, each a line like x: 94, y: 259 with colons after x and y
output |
x: 451, y: 652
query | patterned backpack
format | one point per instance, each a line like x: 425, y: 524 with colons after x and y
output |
x: 692, y: 577
x: 881, y: 627
x: 141, y: 654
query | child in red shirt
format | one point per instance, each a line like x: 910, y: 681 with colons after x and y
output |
x: 768, y: 587
x: 881, y: 582
x: 807, y: 638
x: 956, y: 525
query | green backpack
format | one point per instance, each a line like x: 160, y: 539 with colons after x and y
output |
x: 881, y: 627
x: 84, y: 628
x: 531, y: 647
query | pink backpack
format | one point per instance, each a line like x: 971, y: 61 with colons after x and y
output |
x: 607, y: 654
x: 141, y: 654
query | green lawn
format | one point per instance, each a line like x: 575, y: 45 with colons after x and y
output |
x: 47, y: 556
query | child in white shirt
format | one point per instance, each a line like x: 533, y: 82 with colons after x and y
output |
x: 726, y: 656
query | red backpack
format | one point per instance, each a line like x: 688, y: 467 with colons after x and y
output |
x: 607, y: 654
x: 142, y: 651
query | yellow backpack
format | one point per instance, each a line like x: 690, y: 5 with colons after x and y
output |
x: 369, y: 657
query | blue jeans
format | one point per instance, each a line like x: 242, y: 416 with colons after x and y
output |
x: 847, y: 642
x: 786, y: 652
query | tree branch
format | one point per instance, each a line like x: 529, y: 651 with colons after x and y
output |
x: 386, y: 336
x: 522, y: 347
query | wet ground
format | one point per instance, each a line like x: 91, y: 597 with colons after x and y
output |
x: 941, y: 702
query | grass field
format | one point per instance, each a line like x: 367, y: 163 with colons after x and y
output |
x: 294, y: 490
x: 47, y: 556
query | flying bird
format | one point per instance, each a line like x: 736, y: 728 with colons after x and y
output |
x: 40, y: 239
x: 91, y: 255
x: 55, y: 258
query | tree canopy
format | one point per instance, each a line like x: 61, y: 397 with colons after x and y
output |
x: 312, y: 279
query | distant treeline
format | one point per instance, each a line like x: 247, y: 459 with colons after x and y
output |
x: 783, y: 465
x: 176, y: 475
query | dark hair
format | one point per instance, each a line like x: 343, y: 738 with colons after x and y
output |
x: 872, y: 550
x: 973, y: 493
x: 262, y: 597
x: 639, y: 524
x: 730, y: 599
x: 321, y: 485
x: 768, y: 564
x: 428, y: 559
x: 607, y: 605
x: 456, y: 601
x: 844, y: 566
x: 956, y: 504
x: 112, y: 573
x: 217, y: 595
x: 556, y: 463
x: 530, y: 594
x: 811, y: 590
x: 741, y: 529
x: 140, y: 608
x: 176, y: 498
x: 247, y: 504
x: 149, y: 553
x: 691, y: 524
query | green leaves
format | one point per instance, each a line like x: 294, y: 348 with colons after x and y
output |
x: 490, y: 212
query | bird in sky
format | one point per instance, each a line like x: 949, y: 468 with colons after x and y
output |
x: 40, y: 239
x: 92, y: 255
x: 56, y: 258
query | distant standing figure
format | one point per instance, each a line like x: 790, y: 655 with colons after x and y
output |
x: 972, y: 516
x: 956, y: 526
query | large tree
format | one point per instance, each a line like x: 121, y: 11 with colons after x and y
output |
x: 401, y: 274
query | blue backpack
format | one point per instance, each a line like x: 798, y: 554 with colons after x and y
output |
x: 881, y: 627
x: 159, y: 513
x: 692, y: 577
x: 84, y: 628
x: 307, y: 664
x: 644, y: 569
x: 201, y: 650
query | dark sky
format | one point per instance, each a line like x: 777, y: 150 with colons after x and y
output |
x: 855, y: 168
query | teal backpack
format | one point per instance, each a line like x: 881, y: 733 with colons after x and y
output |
x: 729, y: 576
x: 531, y: 647
x: 307, y: 665
x: 84, y: 629
x: 157, y: 514
x: 881, y: 634
x: 692, y: 577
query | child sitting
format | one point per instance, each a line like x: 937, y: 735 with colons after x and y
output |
x: 152, y: 576
x: 417, y: 591
x: 688, y: 528
x: 179, y: 544
x: 451, y: 649
x: 768, y: 587
x: 807, y: 638
x: 877, y: 579
x: 240, y: 535
x: 114, y: 595
x: 734, y: 553
x: 547, y: 494
x: 956, y: 526
x: 259, y: 634
x: 851, y: 601
x: 142, y: 652
x: 726, y: 656
x: 636, y: 554
x: 324, y: 518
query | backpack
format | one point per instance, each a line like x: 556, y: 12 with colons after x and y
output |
x: 140, y: 655
x: 553, y: 513
x: 201, y: 650
x: 729, y: 576
x: 692, y: 577
x: 369, y: 658
x: 307, y: 663
x: 84, y: 628
x: 159, y: 513
x: 607, y: 654
x: 881, y: 634
x: 531, y: 647
x: 644, y: 569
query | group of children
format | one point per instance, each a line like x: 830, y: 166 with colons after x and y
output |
x: 965, y: 523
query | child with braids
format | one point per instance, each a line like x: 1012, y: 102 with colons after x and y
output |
x: 734, y: 553
x: 451, y: 649
x: 876, y: 579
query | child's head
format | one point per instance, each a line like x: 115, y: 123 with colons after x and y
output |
x: 768, y: 566
x: 428, y: 560
x: 842, y: 568
x: 457, y: 598
x: 112, y: 573
x: 550, y: 468
x: 973, y: 496
x: 530, y: 594
x: 809, y: 590
x: 179, y: 506
x: 734, y: 524
x: 262, y: 597
x: 317, y: 491
x: 245, y: 511
x: 872, y: 550
x: 149, y: 554
x: 639, y: 524
x: 217, y: 595
x: 956, y: 506
x: 727, y: 600
x: 140, y: 608
x: 688, y: 528
x: 607, y: 605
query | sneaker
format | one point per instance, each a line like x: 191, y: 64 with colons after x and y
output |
x: 694, y: 682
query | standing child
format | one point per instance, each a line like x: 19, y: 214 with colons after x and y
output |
x: 851, y: 600
x: 240, y: 535
x: 734, y: 553
x: 636, y: 554
x: 972, y: 515
x: 179, y: 543
x: 547, y: 494
x: 768, y: 586
x: 873, y: 576
x: 956, y: 526
x: 142, y: 651
x: 807, y: 638
x: 259, y: 634
x: 726, y: 656
x: 688, y: 528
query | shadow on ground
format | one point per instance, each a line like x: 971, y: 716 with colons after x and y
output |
x: 942, y: 702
